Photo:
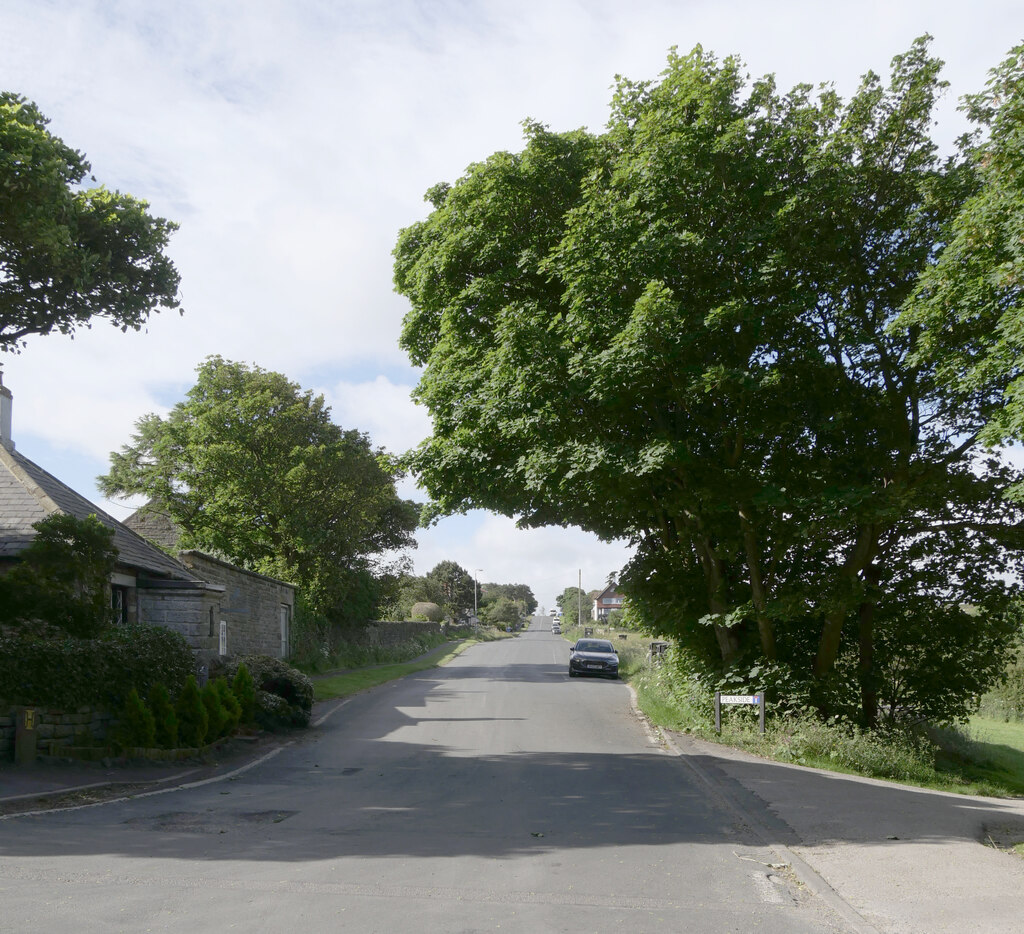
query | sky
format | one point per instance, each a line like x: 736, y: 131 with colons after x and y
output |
x: 292, y: 139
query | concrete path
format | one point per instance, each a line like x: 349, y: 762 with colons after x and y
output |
x: 905, y: 859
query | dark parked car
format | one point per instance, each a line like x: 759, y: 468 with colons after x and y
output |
x: 593, y: 657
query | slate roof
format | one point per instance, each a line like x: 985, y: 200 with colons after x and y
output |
x: 28, y: 493
x: 154, y: 525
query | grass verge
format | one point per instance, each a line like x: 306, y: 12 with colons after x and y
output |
x: 984, y: 758
x: 344, y: 683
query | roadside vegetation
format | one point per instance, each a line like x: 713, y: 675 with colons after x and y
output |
x: 984, y: 756
x: 344, y: 683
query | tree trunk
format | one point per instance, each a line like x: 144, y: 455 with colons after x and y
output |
x: 863, y: 552
x: 865, y: 662
x: 710, y: 564
x: 759, y: 596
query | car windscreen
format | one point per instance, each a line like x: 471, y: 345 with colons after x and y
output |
x: 605, y: 647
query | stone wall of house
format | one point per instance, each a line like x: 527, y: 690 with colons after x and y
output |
x: 251, y: 605
x: 58, y: 729
x: 192, y: 611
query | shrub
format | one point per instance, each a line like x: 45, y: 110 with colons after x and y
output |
x: 164, y: 717
x: 136, y: 727
x: 217, y: 716
x: 60, y: 581
x: 71, y: 672
x: 245, y: 691
x: 273, y: 676
x: 427, y: 611
x: 193, y: 720
x: 228, y: 701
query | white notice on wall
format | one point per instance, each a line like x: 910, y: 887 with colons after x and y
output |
x: 223, y: 637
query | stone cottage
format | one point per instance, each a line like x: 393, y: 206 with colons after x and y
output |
x: 218, y: 608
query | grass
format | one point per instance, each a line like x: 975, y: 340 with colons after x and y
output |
x: 987, y: 752
x: 345, y: 683
x: 984, y: 758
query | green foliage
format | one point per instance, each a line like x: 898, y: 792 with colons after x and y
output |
x: 216, y: 716
x: 68, y: 255
x: 454, y: 587
x: 966, y: 311
x: 284, y: 695
x: 60, y: 581
x: 520, y: 593
x: 683, y: 332
x: 573, y: 603
x: 251, y: 467
x: 245, y: 692
x: 165, y: 720
x: 229, y: 704
x: 428, y: 612
x: 192, y: 714
x: 136, y: 727
x: 503, y: 612
x: 1005, y: 700
x: 96, y: 672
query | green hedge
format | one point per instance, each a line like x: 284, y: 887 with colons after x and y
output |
x: 99, y: 672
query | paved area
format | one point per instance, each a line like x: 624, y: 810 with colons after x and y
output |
x: 890, y: 858
x: 62, y: 783
x: 904, y: 859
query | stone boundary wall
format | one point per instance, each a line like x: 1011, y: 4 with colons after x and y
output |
x: 56, y: 728
x: 384, y: 633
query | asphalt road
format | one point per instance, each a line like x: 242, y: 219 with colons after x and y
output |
x: 492, y: 794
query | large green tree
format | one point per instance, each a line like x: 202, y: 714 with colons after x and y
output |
x: 69, y: 254
x: 520, y: 593
x: 251, y: 467
x: 454, y: 587
x: 679, y: 331
x: 967, y: 310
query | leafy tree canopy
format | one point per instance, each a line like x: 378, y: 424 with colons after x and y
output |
x: 572, y: 602
x: 967, y: 309
x: 60, y: 582
x: 682, y: 331
x: 454, y: 588
x: 521, y: 593
x: 251, y: 467
x: 504, y: 611
x: 69, y: 254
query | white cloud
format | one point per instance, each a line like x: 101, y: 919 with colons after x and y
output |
x: 382, y: 409
x: 292, y: 140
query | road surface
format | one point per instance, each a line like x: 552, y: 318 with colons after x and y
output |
x: 494, y: 794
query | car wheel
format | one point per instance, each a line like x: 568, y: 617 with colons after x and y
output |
x: 572, y: 674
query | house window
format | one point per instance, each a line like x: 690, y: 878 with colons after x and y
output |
x: 213, y: 621
x: 119, y: 604
x: 286, y: 621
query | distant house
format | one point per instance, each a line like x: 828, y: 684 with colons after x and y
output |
x: 217, y: 608
x: 609, y: 599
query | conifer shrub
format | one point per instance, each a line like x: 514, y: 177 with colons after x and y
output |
x: 274, y: 677
x: 245, y: 691
x: 193, y: 720
x: 163, y: 714
x: 216, y: 714
x: 232, y: 709
x: 136, y: 728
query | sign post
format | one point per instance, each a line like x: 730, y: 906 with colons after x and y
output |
x: 751, y: 699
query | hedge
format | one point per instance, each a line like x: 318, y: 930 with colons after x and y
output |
x: 100, y: 672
